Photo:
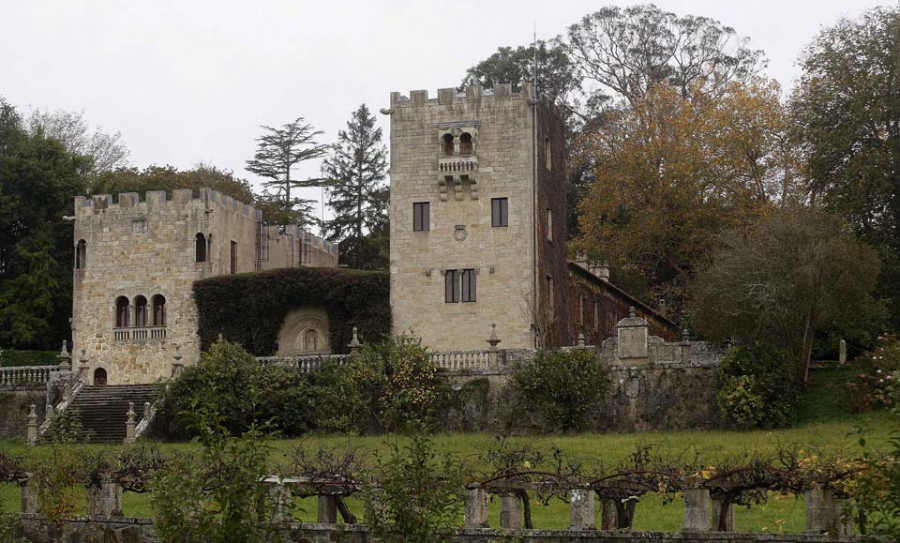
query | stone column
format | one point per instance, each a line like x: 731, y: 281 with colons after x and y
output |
x: 608, y: 515
x: 818, y: 510
x: 130, y: 424
x: 355, y: 345
x: 476, y: 508
x: 32, y: 429
x: 105, y: 500
x: 327, y: 510
x: 29, y: 499
x: 282, y: 503
x: 841, y: 511
x: 696, y: 510
x: 717, y: 505
x: 581, y: 509
x: 510, y: 513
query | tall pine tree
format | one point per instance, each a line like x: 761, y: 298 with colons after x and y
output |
x: 358, y: 196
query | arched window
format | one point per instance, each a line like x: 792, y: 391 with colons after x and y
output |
x: 200, y: 249
x: 448, y: 144
x: 80, y: 255
x: 140, y: 311
x: 159, y: 310
x: 465, y: 144
x: 122, y: 312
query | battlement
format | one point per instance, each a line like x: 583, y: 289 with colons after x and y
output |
x: 157, y: 201
x: 473, y: 94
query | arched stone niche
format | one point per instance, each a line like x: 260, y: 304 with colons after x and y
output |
x: 304, y: 331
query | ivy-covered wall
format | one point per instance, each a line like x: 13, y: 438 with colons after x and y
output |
x: 250, y: 308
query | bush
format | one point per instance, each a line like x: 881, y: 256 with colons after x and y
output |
x: 244, y: 391
x: 876, y: 376
x: 562, y: 385
x: 757, y: 387
x: 391, y: 384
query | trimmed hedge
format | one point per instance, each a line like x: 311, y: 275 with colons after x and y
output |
x: 250, y: 308
x: 13, y: 357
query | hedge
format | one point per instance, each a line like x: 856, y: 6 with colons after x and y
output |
x: 250, y: 308
x: 13, y: 357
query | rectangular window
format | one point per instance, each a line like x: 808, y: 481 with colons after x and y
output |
x: 550, y: 224
x: 421, y: 216
x: 451, y: 286
x: 468, y: 285
x: 499, y: 212
x: 233, y: 257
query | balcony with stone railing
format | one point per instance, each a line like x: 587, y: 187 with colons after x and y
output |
x: 139, y: 334
x: 457, y: 165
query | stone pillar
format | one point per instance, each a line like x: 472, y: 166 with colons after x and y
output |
x: 608, y: 515
x: 130, y: 424
x: 818, y: 509
x: 717, y: 505
x: 476, y: 508
x: 510, y: 513
x: 29, y: 499
x: 843, y: 353
x: 581, y: 509
x: 327, y: 510
x: 355, y: 345
x: 696, y: 510
x: 105, y: 500
x: 32, y: 429
x: 282, y: 503
x: 633, y: 334
x: 65, y: 359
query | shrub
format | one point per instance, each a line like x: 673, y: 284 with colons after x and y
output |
x: 420, y: 495
x: 10, y: 529
x: 65, y: 427
x: 877, y: 490
x: 562, y: 385
x: 757, y: 387
x: 55, y: 479
x: 244, y: 391
x: 877, y: 372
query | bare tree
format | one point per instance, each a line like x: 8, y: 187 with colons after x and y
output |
x: 106, y: 151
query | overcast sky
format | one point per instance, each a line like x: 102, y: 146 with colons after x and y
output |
x: 190, y: 81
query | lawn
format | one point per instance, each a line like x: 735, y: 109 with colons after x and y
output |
x: 825, y: 425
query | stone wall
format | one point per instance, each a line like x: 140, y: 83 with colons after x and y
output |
x: 140, y: 530
x: 459, y: 187
x: 14, y: 406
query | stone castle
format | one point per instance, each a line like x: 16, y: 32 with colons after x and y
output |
x: 478, y: 243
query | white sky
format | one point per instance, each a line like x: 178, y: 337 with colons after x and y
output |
x: 191, y: 81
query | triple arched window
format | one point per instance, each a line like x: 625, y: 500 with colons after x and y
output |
x: 138, y: 313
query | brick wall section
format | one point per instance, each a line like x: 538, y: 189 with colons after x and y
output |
x: 502, y: 125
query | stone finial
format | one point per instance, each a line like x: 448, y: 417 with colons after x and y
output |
x: 355, y: 345
x: 65, y: 359
x: 631, y: 313
x: 130, y: 424
x: 32, y: 433
x: 581, y: 343
x: 493, y: 340
x: 685, y: 336
x: 177, y: 366
x: 842, y: 355
x: 221, y: 339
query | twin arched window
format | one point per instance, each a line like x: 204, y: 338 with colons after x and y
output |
x: 466, y: 146
x: 141, y: 316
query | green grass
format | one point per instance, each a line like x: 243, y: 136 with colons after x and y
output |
x: 825, y: 424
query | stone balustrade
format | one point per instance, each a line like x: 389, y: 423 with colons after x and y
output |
x: 139, y: 334
x: 483, y: 362
x: 26, y: 376
x: 304, y: 363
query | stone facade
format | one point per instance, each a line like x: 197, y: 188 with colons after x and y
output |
x: 489, y: 167
x: 136, y: 262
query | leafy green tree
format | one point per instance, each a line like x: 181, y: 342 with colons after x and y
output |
x: 562, y: 386
x: 358, y: 196
x: 796, y: 272
x: 38, y: 181
x: 169, y: 178
x: 278, y: 152
x: 847, y: 110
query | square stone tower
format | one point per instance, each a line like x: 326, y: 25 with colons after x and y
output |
x: 478, y: 219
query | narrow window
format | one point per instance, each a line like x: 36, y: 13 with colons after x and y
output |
x: 421, y: 216
x: 550, y: 292
x: 200, y: 248
x: 122, y: 306
x: 159, y: 310
x: 468, y: 285
x: 549, y: 224
x: 448, y: 144
x: 499, y: 212
x: 547, y: 154
x: 465, y: 144
x: 81, y: 255
x: 233, y: 257
x: 140, y: 312
x: 451, y: 286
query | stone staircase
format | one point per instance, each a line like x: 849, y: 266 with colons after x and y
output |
x: 103, y: 410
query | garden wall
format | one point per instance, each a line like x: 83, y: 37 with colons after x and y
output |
x: 14, y: 406
x: 138, y: 530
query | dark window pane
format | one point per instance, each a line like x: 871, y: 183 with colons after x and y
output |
x: 421, y: 216
x: 499, y: 212
x: 451, y: 286
x: 468, y: 285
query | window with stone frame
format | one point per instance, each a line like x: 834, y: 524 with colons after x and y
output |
x: 451, y: 286
x: 159, y: 310
x: 123, y: 307
x: 499, y: 212
x: 421, y: 216
x: 140, y: 311
x: 468, y: 278
x: 447, y: 144
x: 465, y: 144
x: 81, y: 255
